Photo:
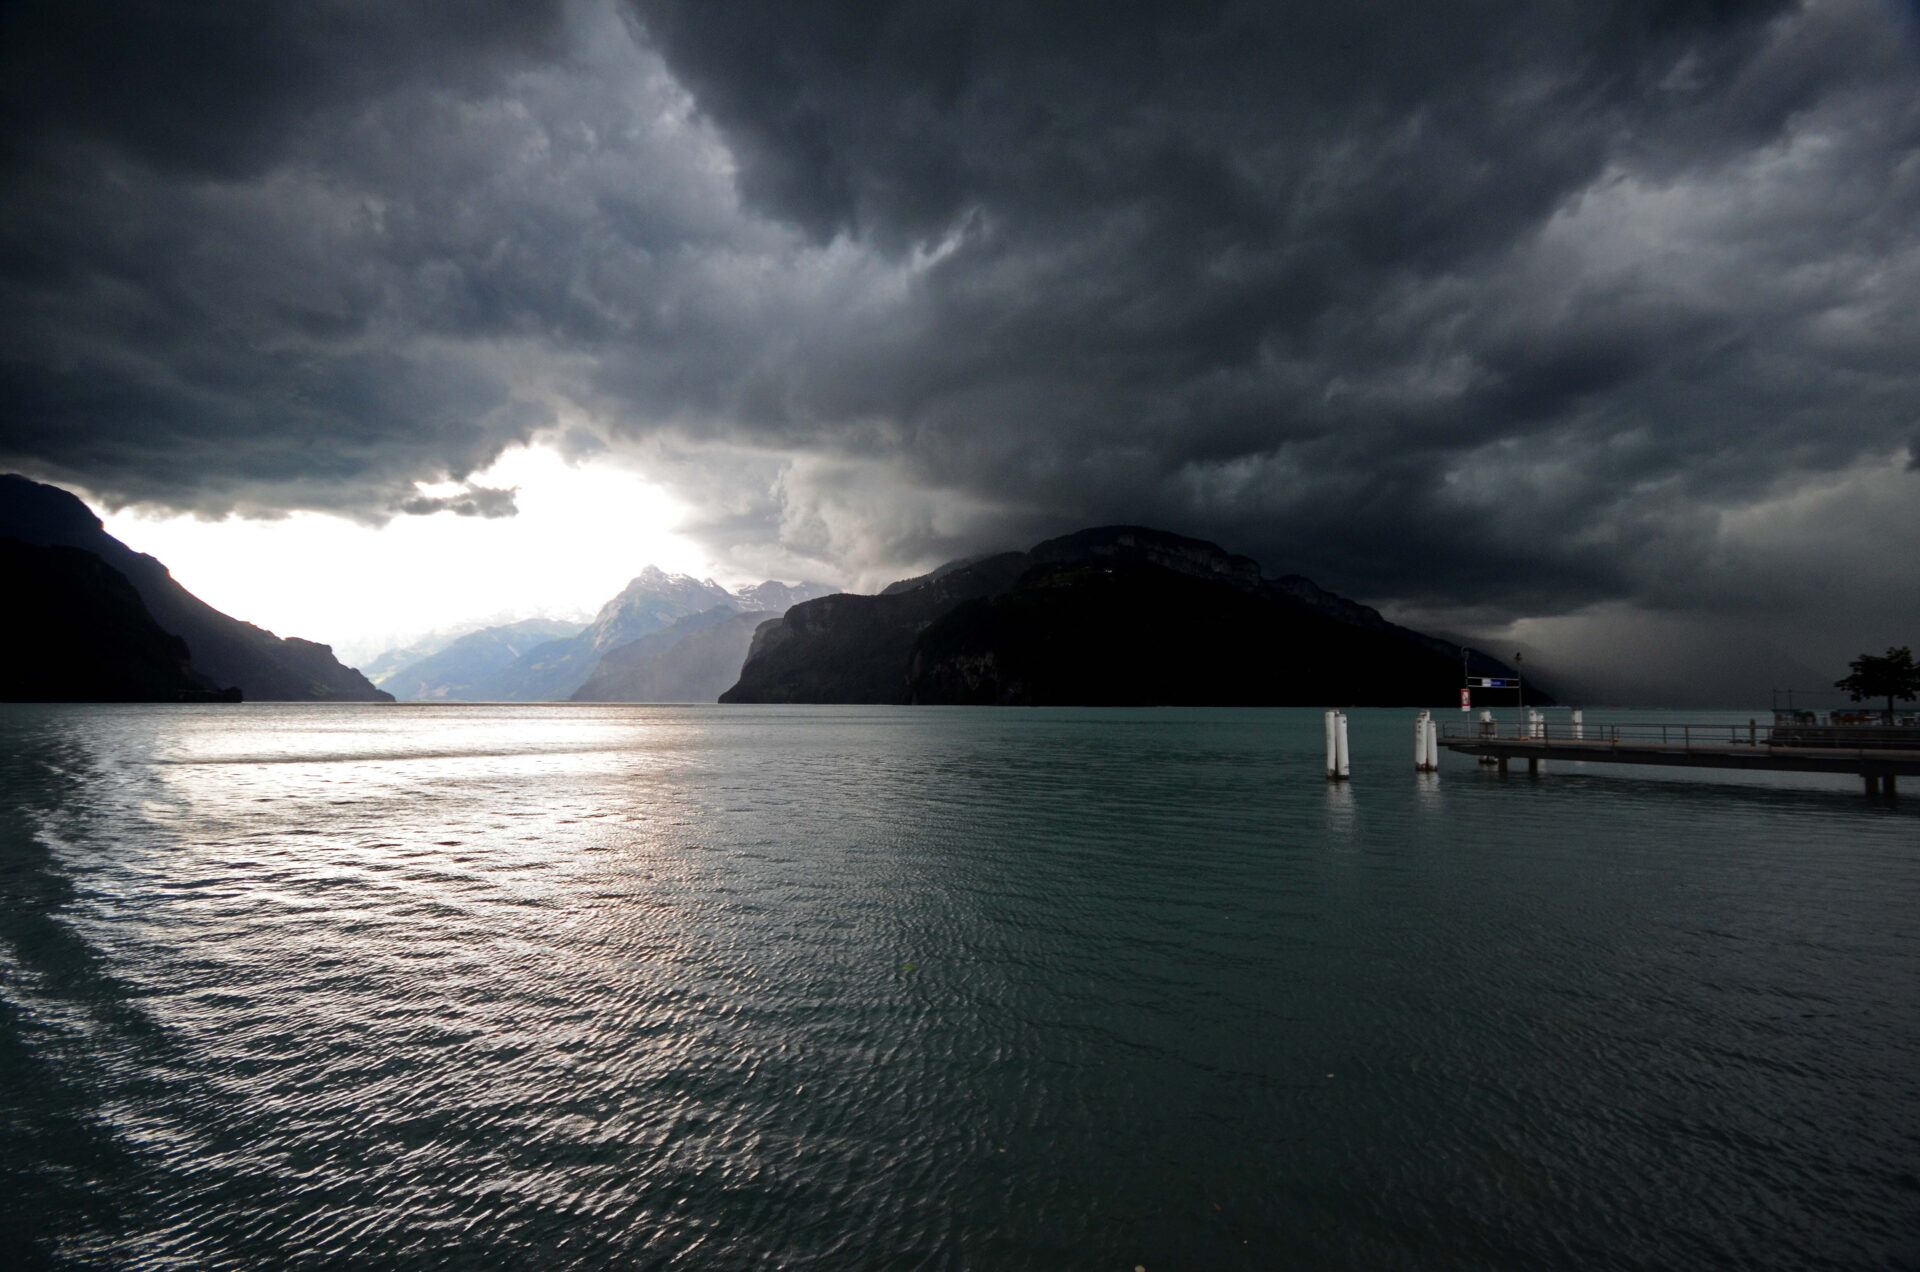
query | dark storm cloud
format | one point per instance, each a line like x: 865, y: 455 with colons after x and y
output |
x: 894, y: 118
x: 473, y: 501
x: 1282, y: 271
x: 191, y: 316
x: 1493, y: 309
x: 222, y: 88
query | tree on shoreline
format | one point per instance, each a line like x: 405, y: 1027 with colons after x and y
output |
x: 1894, y: 676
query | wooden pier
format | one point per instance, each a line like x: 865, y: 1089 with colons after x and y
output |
x: 1879, y: 755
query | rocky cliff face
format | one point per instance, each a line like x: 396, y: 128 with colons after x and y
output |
x: 651, y: 601
x: 224, y: 651
x: 1115, y: 615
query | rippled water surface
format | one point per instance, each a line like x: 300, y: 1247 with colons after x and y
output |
x: 848, y: 988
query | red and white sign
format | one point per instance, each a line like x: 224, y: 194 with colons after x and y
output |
x: 1466, y: 699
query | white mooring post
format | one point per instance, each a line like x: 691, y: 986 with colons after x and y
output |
x: 1579, y: 724
x: 1420, y: 743
x: 1535, y: 723
x: 1336, y: 746
x: 1433, y: 746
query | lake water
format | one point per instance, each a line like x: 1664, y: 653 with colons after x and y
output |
x: 877, y: 987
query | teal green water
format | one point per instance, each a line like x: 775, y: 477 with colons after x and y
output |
x: 852, y: 987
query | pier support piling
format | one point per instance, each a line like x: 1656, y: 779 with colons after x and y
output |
x: 1873, y: 783
x: 1533, y: 765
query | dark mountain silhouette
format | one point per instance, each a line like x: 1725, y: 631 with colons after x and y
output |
x: 224, y: 650
x: 1120, y: 615
x: 850, y: 648
x: 80, y: 633
x: 938, y: 572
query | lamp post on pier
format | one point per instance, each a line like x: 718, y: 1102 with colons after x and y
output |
x: 1519, y: 695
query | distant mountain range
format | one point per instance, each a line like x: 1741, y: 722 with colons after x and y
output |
x: 664, y: 638
x: 465, y: 668
x: 654, y: 599
x: 1119, y: 615
x: 694, y: 660
x: 381, y: 667
x: 107, y: 629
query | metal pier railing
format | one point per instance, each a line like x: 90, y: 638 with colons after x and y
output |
x: 1688, y: 736
x: 1879, y: 754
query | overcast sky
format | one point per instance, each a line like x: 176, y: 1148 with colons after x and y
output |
x: 1531, y: 317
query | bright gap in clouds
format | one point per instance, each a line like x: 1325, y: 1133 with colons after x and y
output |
x: 581, y: 532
